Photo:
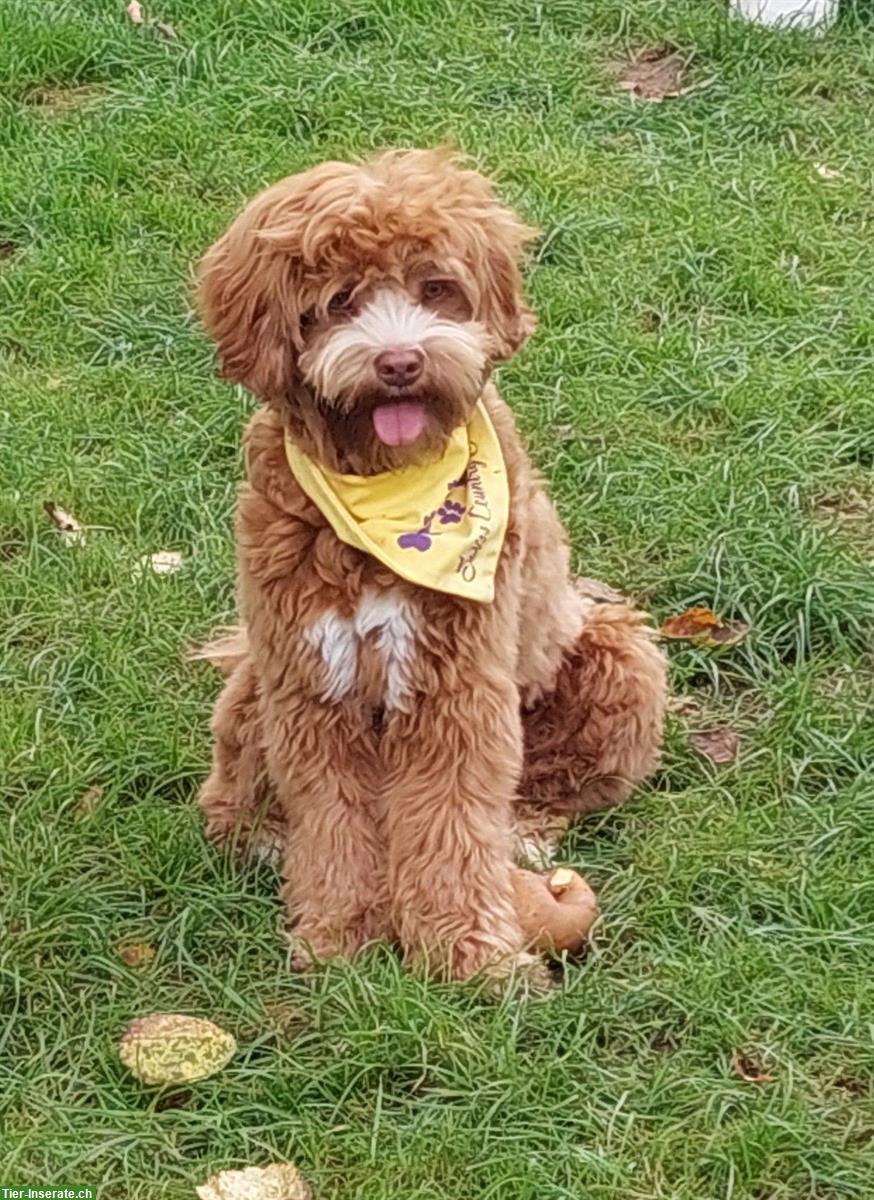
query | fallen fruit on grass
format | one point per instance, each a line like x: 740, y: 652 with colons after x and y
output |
x: 556, y: 910
x: 173, y: 1048
x: 279, y: 1181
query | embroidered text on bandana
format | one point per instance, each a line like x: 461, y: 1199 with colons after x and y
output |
x: 440, y: 525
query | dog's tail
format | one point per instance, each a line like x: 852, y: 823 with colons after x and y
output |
x: 225, y: 651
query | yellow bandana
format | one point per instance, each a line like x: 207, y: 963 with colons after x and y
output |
x: 440, y: 525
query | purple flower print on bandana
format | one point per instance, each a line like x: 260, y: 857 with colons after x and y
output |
x: 418, y: 539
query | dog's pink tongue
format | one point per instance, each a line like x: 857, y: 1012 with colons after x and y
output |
x: 398, y: 424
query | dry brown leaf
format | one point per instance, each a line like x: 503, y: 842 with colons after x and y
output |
x: 684, y: 706
x: 720, y: 744
x: 704, y: 627
x: 749, y: 1067
x: 89, y: 803
x: 654, y: 74
x: 594, y: 589
x: 72, y: 532
x: 279, y: 1181
x: 136, y: 954
x: 135, y: 11
x: 167, y: 29
x: 173, y: 1048
x: 162, y: 562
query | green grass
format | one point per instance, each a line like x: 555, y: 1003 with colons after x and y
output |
x: 723, y: 457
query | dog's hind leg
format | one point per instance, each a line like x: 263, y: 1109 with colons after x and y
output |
x: 598, y: 733
x: 237, y: 798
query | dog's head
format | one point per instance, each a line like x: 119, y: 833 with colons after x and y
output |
x: 369, y: 303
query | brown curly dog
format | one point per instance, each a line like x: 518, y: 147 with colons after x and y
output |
x: 393, y: 739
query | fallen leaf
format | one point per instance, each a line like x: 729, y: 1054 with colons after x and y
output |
x: 167, y: 29
x: 136, y: 954
x: 594, y: 589
x: 72, y: 532
x: 89, y: 803
x: 720, y: 744
x: 279, y: 1181
x: 135, y: 11
x: 684, y: 706
x: 173, y: 1048
x: 748, y: 1066
x: 825, y: 172
x: 654, y: 74
x: 163, y: 562
x: 705, y: 628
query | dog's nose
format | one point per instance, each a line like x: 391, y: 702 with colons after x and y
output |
x: 400, y: 367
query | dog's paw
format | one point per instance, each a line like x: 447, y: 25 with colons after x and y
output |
x: 309, y: 947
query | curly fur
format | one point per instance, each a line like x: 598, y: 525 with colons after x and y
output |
x: 382, y: 735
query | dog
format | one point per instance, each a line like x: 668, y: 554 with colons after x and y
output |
x: 390, y: 737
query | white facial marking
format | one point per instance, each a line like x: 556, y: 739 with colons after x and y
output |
x: 388, y: 614
x: 391, y: 321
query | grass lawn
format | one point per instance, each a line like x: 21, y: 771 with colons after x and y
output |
x: 699, y: 395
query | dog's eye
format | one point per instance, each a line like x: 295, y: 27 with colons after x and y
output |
x: 340, y: 301
x: 435, y: 289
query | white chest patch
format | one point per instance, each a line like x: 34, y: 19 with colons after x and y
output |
x: 389, y: 616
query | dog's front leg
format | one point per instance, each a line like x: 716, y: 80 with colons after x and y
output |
x: 321, y: 761
x: 453, y: 768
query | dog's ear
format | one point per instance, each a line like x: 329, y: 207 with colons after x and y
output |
x: 504, y: 311
x: 248, y: 289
